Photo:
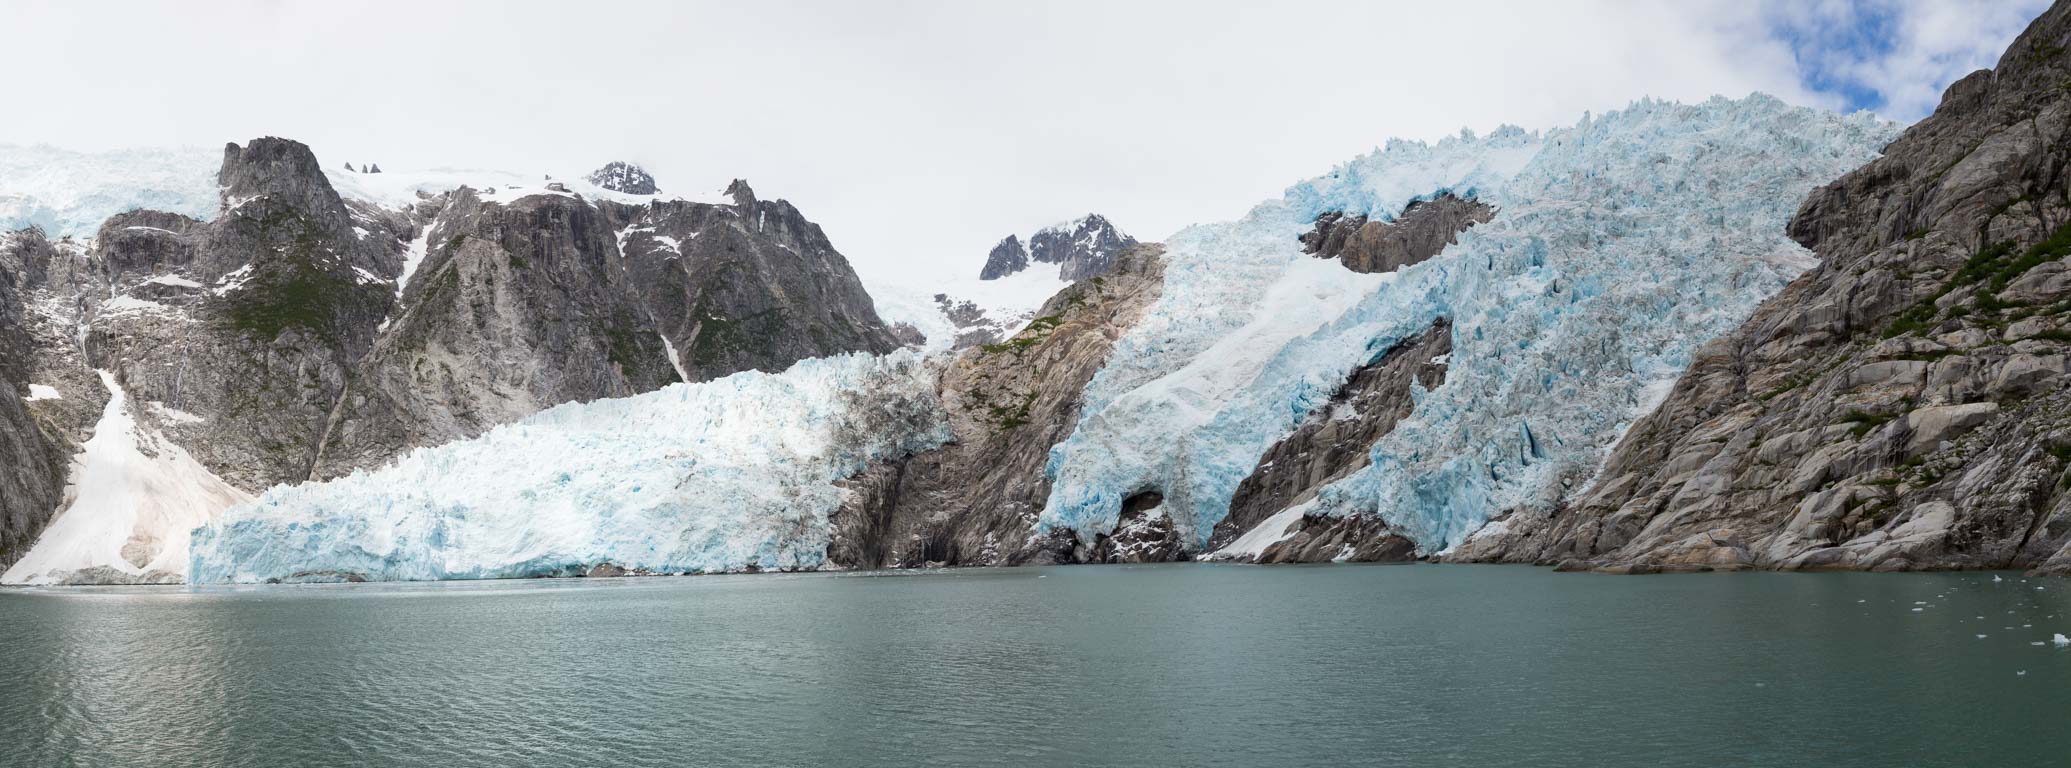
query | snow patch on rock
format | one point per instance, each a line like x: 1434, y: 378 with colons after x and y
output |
x: 134, y: 499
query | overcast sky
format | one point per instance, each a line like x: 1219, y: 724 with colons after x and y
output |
x: 918, y: 133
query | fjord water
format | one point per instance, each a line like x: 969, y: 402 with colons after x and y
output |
x: 1152, y: 665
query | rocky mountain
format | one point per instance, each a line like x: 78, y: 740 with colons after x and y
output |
x: 1901, y: 406
x: 301, y: 334
x: 624, y: 177
x: 1081, y: 248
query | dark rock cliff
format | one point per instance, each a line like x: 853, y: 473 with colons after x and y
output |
x: 32, y: 461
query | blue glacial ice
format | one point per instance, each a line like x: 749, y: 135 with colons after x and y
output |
x: 724, y: 475
x: 69, y: 194
x: 1620, y: 245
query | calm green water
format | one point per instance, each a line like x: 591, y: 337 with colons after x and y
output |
x: 1123, y: 666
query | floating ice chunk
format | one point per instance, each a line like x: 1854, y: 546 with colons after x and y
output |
x: 2061, y: 640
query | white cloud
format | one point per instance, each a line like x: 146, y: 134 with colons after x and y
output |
x: 917, y: 133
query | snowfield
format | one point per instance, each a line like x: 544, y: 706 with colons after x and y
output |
x: 134, y: 498
x: 726, y: 475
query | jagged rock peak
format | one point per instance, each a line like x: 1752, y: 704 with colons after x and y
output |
x: 1082, y: 248
x: 271, y: 166
x: 741, y: 194
x: 1008, y: 257
x: 624, y: 177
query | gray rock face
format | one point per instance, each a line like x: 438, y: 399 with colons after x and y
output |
x: 1327, y: 539
x: 1334, y: 442
x: 623, y: 177
x: 32, y: 462
x: 248, y: 327
x: 1143, y: 534
x: 1423, y: 230
x: 1901, y: 406
x: 1080, y: 249
x: 1006, y: 258
x: 976, y: 500
x: 518, y: 307
x: 750, y: 286
x: 1084, y: 249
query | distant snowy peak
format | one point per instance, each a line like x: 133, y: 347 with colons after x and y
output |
x: 624, y: 177
x: 1083, y: 247
x: 1006, y: 258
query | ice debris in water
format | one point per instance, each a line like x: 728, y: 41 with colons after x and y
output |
x: 1619, y: 245
x: 718, y: 476
x: 2061, y: 640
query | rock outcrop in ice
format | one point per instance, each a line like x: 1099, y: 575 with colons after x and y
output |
x: 726, y: 475
x: 1617, y: 246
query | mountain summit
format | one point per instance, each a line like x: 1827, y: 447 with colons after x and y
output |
x: 624, y: 177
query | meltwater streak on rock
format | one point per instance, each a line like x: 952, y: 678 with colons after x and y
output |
x: 1903, y: 405
x: 1618, y: 246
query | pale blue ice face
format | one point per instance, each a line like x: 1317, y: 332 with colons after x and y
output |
x: 716, y: 476
x: 1620, y: 245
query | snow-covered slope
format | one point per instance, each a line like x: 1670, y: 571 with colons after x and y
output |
x: 1619, y: 245
x: 69, y: 193
x: 723, y: 475
x: 401, y: 189
x: 1008, y: 303
x: 136, y: 496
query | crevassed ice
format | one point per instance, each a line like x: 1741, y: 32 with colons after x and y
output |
x: 716, y: 476
x: 1620, y: 244
x: 69, y: 194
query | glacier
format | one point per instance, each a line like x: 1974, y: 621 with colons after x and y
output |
x: 1620, y: 244
x: 69, y: 194
x: 726, y: 475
